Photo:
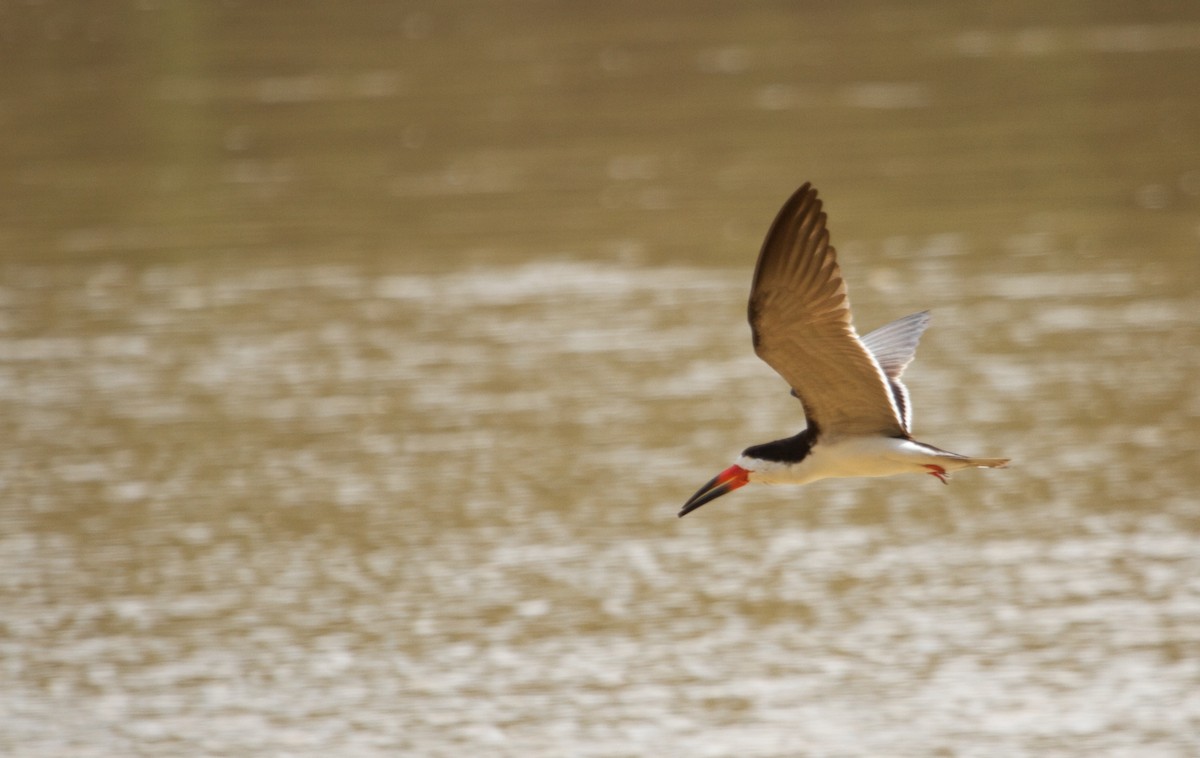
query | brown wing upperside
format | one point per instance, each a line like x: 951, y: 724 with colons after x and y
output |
x: 800, y: 318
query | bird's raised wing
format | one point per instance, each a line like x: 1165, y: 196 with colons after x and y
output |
x: 894, y: 345
x: 800, y: 319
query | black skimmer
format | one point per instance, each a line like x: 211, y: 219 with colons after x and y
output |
x: 858, y: 412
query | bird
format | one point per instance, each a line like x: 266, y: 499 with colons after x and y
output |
x: 858, y: 413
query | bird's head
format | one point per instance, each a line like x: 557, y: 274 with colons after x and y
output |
x: 723, y: 483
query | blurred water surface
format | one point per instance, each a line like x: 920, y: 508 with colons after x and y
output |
x: 354, y: 362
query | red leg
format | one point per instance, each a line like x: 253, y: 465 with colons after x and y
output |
x: 938, y: 471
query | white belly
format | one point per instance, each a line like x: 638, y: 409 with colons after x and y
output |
x: 849, y: 456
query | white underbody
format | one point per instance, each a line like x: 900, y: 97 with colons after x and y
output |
x: 854, y: 456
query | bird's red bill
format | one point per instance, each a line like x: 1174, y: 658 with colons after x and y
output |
x: 723, y: 483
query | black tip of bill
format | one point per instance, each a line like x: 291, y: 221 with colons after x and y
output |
x: 706, y: 494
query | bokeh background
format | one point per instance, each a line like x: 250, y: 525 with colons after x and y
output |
x: 355, y: 359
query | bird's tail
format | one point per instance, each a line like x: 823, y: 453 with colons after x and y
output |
x: 988, y: 462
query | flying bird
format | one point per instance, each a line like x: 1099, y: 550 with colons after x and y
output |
x: 859, y: 413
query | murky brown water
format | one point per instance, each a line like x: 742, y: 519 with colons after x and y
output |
x: 355, y: 361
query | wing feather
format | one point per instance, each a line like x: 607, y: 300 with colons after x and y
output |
x: 800, y: 318
x: 894, y: 345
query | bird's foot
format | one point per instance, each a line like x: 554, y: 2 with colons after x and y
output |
x: 938, y: 471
